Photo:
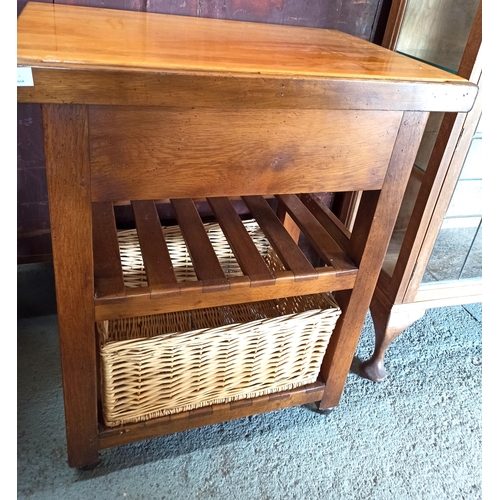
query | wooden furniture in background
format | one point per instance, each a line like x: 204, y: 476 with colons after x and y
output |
x: 139, y: 107
x: 438, y: 230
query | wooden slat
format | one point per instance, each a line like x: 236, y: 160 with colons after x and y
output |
x: 245, y: 251
x: 157, y: 262
x: 327, y: 248
x: 139, y: 301
x: 349, y: 204
x: 288, y: 222
x: 205, y: 261
x: 178, y: 422
x: 284, y: 245
x: 328, y: 220
x: 108, y: 274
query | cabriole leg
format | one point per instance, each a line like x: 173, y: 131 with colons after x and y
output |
x: 388, y: 325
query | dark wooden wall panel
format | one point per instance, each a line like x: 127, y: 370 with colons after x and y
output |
x: 356, y: 17
x: 33, y: 226
x: 260, y: 11
x: 138, y: 5
x: 180, y: 8
x: 351, y: 16
x: 22, y: 3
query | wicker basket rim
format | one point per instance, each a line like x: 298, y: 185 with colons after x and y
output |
x: 232, y: 328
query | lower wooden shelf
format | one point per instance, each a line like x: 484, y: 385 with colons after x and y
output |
x: 114, y: 436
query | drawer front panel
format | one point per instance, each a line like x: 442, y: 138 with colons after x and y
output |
x: 155, y: 153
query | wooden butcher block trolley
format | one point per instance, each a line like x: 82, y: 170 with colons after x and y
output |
x: 170, y: 326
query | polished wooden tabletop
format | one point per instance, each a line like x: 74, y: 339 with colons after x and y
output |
x: 64, y: 36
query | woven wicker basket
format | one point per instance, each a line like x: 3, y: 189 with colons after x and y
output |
x: 157, y: 365
x: 162, y: 364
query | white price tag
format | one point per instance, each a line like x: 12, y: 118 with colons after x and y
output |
x: 24, y: 77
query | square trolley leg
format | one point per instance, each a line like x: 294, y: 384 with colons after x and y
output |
x: 367, y: 246
x: 68, y: 180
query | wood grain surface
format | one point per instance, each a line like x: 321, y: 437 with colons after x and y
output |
x: 250, y: 260
x: 157, y: 261
x: 368, y: 245
x: 68, y: 180
x: 140, y: 301
x: 69, y: 37
x: 151, y: 151
x: 288, y: 69
x: 108, y: 275
x: 144, y: 153
x: 205, y: 261
x: 241, y: 92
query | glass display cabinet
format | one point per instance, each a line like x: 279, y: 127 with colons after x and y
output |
x: 434, y: 256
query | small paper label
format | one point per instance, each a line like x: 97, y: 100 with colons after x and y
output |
x: 24, y: 77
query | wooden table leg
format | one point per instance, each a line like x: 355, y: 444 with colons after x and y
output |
x: 68, y: 180
x: 372, y: 230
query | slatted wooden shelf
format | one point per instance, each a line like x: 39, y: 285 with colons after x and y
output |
x: 165, y: 293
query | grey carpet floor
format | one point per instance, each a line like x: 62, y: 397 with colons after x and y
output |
x: 417, y: 435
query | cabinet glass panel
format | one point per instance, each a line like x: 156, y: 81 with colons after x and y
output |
x: 436, y: 31
x: 457, y: 253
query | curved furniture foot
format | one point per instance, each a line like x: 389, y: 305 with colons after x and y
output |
x: 388, y: 325
x: 373, y: 369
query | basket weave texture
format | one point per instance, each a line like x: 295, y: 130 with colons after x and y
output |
x: 181, y: 361
x: 157, y: 365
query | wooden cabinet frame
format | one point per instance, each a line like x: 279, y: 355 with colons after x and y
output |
x: 402, y: 298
